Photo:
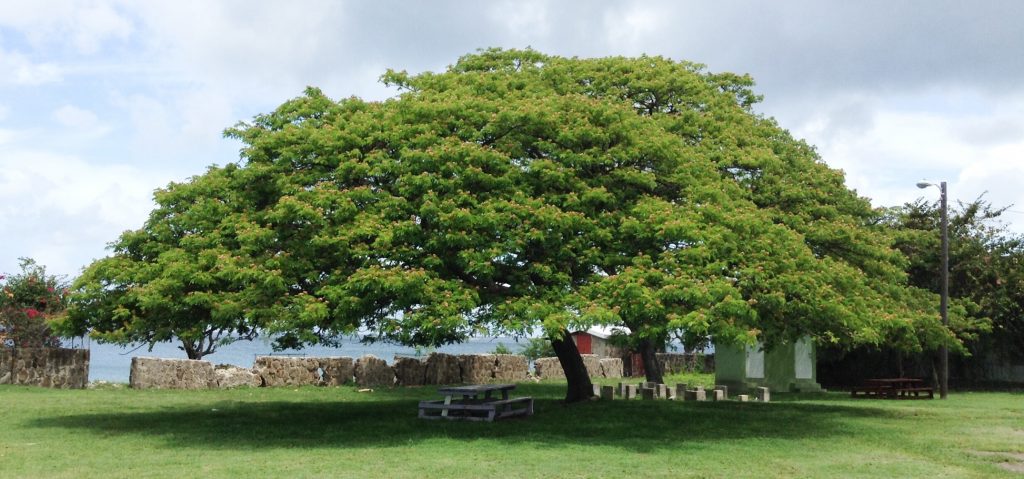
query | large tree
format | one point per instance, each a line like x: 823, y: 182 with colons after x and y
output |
x: 518, y: 191
x: 200, y: 272
x: 780, y: 249
x: 986, y: 268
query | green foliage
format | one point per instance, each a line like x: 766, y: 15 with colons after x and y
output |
x: 29, y: 301
x: 726, y: 227
x: 502, y: 349
x: 986, y: 265
x: 538, y: 348
x: 201, y: 270
x: 512, y: 191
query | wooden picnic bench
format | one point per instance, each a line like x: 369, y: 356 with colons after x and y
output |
x: 893, y: 388
x: 472, y: 407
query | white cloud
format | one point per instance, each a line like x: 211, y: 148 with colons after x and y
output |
x: 82, y: 25
x: 521, y: 19
x: 4, y: 111
x: 80, y: 120
x: 632, y: 27
x: 886, y: 152
x: 62, y: 210
x: 150, y: 120
x: 22, y: 71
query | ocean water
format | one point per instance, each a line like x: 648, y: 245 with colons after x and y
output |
x: 112, y: 363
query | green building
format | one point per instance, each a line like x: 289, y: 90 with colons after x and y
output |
x: 787, y: 367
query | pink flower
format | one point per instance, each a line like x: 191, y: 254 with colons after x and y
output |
x: 49, y: 288
x: 32, y: 313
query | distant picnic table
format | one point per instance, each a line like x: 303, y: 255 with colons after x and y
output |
x: 465, y: 402
x: 893, y: 388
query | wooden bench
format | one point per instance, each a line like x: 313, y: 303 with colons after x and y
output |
x: 905, y: 392
x: 893, y: 388
x: 870, y: 392
x: 481, y: 410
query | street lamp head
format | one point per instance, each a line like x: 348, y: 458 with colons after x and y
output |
x: 924, y: 184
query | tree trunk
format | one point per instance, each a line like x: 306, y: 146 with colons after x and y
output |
x: 191, y: 351
x: 579, y: 387
x: 652, y: 367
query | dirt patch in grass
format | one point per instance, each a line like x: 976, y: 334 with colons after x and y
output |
x: 1014, y: 461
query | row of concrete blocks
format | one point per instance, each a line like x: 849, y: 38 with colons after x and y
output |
x: 682, y: 392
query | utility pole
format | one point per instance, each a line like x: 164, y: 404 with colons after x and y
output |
x: 944, y: 287
x: 944, y: 301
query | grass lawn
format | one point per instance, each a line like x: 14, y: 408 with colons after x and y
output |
x: 339, y: 432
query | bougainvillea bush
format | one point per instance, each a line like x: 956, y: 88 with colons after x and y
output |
x: 28, y: 301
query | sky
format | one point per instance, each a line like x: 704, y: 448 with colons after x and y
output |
x: 103, y: 101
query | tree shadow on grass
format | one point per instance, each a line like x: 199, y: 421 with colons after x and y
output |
x: 389, y: 419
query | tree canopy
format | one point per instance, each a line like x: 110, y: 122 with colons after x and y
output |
x: 198, y: 272
x: 513, y: 191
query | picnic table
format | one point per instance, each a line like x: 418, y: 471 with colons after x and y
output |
x: 893, y: 388
x: 477, y: 402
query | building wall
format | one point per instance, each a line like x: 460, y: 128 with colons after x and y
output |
x: 779, y: 366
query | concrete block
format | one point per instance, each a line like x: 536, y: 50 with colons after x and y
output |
x: 763, y: 395
x: 681, y: 391
x: 630, y: 391
x: 622, y: 389
x: 607, y: 393
x: 717, y: 395
x: 597, y: 389
x: 743, y: 398
x: 661, y: 391
x: 724, y: 389
x: 647, y: 393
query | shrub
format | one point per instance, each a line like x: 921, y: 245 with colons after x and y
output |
x: 538, y: 348
x: 28, y: 301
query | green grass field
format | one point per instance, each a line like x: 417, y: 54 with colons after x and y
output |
x: 339, y: 432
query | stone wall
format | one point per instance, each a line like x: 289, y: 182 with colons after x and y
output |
x: 288, y: 370
x: 6, y: 362
x: 157, y: 373
x: 368, y: 371
x: 409, y: 371
x: 672, y: 363
x: 336, y: 371
x: 45, y: 367
x: 611, y: 367
x: 593, y: 364
x: 228, y: 376
x: 510, y: 368
x: 477, y: 368
x: 443, y: 369
x: 372, y: 372
x: 548, y: 368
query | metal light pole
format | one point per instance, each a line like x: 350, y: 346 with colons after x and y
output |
x: 944, y: 280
